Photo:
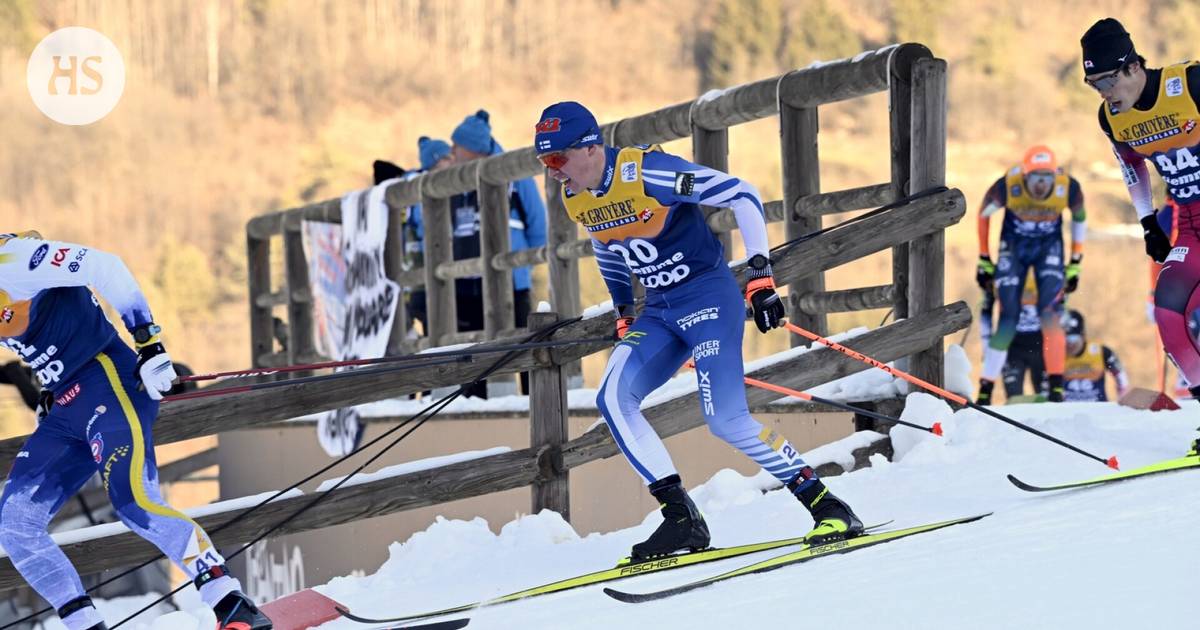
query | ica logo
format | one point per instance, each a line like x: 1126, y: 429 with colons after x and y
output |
x: 75, y: 75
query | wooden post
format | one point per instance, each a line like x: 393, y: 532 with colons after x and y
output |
x: 439, y: 294
x: 548, y: 428
x: 798, y: 129
x: 927, y: 255
x: 900, y: 107
x: 301, y: 345
x: 710, y: 147
x: 497, y: 284
x: 564, y: 272
x: 262, y: 325
x: 393, y: 266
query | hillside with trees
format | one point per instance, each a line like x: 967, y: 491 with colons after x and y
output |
x: 234, y: 108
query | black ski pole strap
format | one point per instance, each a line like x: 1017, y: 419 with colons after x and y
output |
x: 75, y: 605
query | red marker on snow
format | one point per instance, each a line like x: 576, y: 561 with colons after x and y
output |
x: 937, y: 429
x: 1112, y: 463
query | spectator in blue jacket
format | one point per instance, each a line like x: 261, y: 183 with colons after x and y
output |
x: 527, y: 225
x: 434, y: 155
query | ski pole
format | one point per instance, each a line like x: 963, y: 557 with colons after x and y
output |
x: 319, y: 378
x: 1111, y: 462
x: 465, y: 353
x: 936, y: 429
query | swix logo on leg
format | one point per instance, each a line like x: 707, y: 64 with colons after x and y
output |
x: 706, y: 395
x: 68, y: 396
x: 1179, y: 254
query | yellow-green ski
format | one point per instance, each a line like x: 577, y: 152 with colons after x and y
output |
x: 808, y: 552
x: 1170, y: 465
x: 623, y: 570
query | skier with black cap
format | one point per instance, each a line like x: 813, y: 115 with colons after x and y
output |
x: 1153, y: 114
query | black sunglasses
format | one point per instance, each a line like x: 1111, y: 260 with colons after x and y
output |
x: 1107, y: 81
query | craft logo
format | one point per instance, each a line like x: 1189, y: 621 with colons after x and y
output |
x: 117, y: 454
x: 75, y: 75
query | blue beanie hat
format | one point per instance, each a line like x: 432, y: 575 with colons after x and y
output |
x: 566, y: 125
x: 432, y: 151
x: 474, y: 133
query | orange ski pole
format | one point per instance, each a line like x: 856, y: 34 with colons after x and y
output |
x: 1111, y: 462
x: 936, y: 429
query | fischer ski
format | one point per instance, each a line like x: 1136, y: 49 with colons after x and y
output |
x: 623, y: 570
x: 808, y: 552
x: 1165, y: 466
x: 453, y: 624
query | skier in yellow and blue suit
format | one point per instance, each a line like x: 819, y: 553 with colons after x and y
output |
x: 641, y: 208
x: 98, y: 416
x: 1033, y: 195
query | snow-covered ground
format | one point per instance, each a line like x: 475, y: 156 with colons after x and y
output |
x: 1119, y: 556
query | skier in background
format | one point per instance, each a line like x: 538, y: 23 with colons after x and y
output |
x: 1033, y: 194
x: 642, y: 209
x: 1088, y: 363
x: 1025, y: 351
x: 98, y: 417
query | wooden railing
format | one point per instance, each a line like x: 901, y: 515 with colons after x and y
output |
x: 915, y: 81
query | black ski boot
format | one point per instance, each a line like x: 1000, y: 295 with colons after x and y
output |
x: 985, y: 392
x: 1055, y: 391
x: 682, y: 529
x: 77, y: 604
x: 832, y: 518
x: 235, y: 611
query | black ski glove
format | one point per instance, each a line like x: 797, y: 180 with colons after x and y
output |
x: 1158, y: 244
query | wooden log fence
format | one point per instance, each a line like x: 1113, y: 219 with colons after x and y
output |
x: 518, y: 468
x: 207, y: 416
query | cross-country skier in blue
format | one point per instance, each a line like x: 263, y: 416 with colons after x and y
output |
x: 641, y: 208
x: 98, y: 418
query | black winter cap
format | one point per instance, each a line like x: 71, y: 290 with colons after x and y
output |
x: 1106, y: 47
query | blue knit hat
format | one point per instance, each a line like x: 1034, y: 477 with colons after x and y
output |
x: 566, y: 125
x: 474, y: 133
x: 432, y: 151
